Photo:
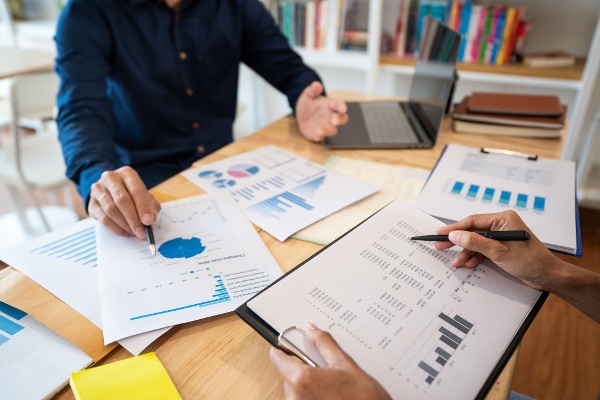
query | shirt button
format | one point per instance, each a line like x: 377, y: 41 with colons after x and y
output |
x: 189, y: 92
x: 182, y: 55
x: 200, y: 149
x: 196, y: 125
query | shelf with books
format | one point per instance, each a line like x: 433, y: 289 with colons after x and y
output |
x: 573, y: 72
x: 333, y: 34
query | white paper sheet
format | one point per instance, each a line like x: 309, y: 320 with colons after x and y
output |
x: 209, y: 260
x: 397, y: 182
x: 36, y: 361
x: 64, y: 263
x: 423, y: 329
x: 467, y: 181
x: 279, y: 191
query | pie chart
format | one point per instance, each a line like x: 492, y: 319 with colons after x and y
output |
x: 210, y: 174
x: 243, y: 170
x: 181, y: 248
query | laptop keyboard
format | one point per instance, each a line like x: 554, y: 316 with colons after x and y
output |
x: 386, y: 125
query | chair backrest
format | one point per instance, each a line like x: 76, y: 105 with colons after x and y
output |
x: 33, y: 96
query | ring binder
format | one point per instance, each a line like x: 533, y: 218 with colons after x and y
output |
x: 290, y: 348
x: 532, y: 157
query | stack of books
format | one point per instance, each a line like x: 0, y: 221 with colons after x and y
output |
x: 522, y: 115
x: 492, y: 34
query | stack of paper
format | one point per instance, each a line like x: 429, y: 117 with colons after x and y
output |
x: 36, y: 361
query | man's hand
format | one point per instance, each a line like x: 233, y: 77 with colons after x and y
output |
x: 317, y: 115
x: 121, y: 202
x: 341, y: 379
x: 528, y: 260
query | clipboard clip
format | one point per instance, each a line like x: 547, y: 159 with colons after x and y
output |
x: 287, y: 346
x: 532, y: 157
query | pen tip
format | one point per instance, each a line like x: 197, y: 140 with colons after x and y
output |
x: 153, y: 249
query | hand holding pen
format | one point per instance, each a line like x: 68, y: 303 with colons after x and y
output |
x: 526, y: 259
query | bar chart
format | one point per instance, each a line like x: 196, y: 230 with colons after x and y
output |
x: 8, y: 326
x: 491, y: 195
x: 452, y: 331
x: 276, y: 206
x: 220, y: 295
x: 79, y: 248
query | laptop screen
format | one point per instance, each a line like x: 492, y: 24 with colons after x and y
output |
x: 434, y: 75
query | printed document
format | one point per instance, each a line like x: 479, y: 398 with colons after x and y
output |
x: 36, y: 361
x: 423, y: 329
x: 467, y: 181
x: 396, y: 182
x: 279, y: 191
x: 209, y: 260
x: 64, y: 262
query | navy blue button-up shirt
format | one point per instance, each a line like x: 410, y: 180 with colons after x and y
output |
x: 145, y: 86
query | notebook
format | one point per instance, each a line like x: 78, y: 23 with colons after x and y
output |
x: 414, y: 123
x: 511, y: 103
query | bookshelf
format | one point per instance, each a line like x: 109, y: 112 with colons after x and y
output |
x: 571, y: 26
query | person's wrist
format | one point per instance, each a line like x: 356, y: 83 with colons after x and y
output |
x: 556, y: 274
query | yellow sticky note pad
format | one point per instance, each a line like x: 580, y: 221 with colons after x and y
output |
x: 141, y: 377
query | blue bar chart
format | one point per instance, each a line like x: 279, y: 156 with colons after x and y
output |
x: 276, y: 206
x: 8, y: 327
x: 220, y: 295
x: 453, y: 330
x: 79, y: 247
x: 491, y: 195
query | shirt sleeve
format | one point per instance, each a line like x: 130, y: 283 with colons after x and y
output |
x: 266, y: 50
x: 85, y: 121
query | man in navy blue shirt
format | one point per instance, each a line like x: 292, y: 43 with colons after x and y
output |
x: 149, y: 86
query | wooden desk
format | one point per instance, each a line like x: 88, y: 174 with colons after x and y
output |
x: 222, y: 357
x: 14, y: 61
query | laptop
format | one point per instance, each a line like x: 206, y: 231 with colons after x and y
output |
x: 414, y: 123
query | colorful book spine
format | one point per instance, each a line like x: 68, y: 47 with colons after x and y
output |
x: 498, y: 35
x: 472, y: 31
x: 508, y: 26
x: 464, y: 29
x: 513, y: 35
x: 489, y: 16
x: 438, y: 10
x: 478, y: 34
x: 424, y: 10
x: 310, y: 26
x: 492, y: 34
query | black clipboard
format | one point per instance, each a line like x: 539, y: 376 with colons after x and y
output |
x: 273, y: 337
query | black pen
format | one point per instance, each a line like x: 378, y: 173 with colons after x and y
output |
x: 496, y: 235
x: 150, y: 237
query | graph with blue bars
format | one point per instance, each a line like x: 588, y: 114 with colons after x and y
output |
x: 8, y: 322
x: 220, y: 295
x: 452, y: 332
x: 491, y: 195
x: 79, y: 247
x: 296, y: 199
